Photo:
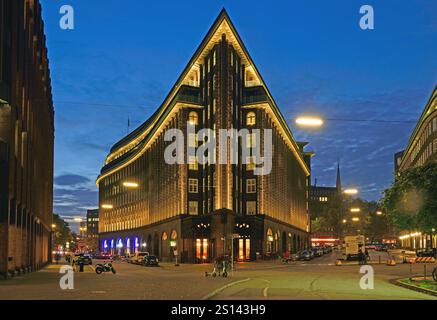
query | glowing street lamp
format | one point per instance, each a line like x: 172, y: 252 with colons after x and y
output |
x: 355, y: 219
x: 350, y: 191
x: 379, y: 213
x: 355, y: 209
x: 77, y: 219
x: 344, y: 220
x: 130, y: 184
x: 309, y: 121
x: 53, y: 226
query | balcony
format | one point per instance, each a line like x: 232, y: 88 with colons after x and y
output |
x: 254, y: 95
x: 189, y: 94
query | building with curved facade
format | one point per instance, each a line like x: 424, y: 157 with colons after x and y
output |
x: 202, y: 211
x: 421, y: 150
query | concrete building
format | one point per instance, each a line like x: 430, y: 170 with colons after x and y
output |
x: 201, y: 211
x: 26, y: 139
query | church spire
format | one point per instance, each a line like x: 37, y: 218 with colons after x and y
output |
x: 338, y: 183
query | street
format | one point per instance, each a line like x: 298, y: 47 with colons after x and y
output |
x: 316, y: 279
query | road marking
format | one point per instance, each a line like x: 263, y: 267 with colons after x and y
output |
x: 266, y: 289
x: 217, y: 291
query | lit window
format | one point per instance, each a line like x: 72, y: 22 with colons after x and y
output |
x: 251, y: 140
x: 250, y: 164
x: 192, y: 163
x: 251, y: 207
x: 251, y: 119
x: 193, y: 208
x: 193, y: 118
x: 251, y: 185
x: 192, y: 140
x: 193, y: 185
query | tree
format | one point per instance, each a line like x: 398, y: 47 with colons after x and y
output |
x: 62, y: 231
x: 411, y: 201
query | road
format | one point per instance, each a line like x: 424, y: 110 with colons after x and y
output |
x: 316, y: 279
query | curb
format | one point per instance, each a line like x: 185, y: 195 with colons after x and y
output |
x: 217, y: 291
x: 397, y: 282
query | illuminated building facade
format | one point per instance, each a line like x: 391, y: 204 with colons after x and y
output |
x: 26, y: 139
x: 201, y: 211
x: 421, y: 150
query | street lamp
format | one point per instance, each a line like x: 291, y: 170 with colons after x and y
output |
x: 355, y: 209
x: 309, y: 121
x: 355, y: 219
x: 344, y: 220
x: 350, y: 191
x: 379, y: 213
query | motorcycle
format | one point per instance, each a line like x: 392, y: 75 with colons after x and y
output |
x: 105, y: 267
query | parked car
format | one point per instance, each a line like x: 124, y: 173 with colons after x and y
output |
x: 137, y: 258
x: 381, y: 247
x: 82, y: 258
x: 327, y: 249
x: 150, y: 261
x: 371, y: 246
x: 318, y: 251
x: 102, y: 256
x: 427, y: 253
x: 305, y: 255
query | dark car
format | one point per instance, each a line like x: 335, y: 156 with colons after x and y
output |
x: 427, y: 253
x: 150, y: 261
x: 305, y: 255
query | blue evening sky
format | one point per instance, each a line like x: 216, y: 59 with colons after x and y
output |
x: 123, y: 57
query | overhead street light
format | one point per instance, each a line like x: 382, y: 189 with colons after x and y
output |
x: 355, y: 219
x: 350, y: 191
x: 355, y: 209
x: 379, y: 213
x: 309, y: 121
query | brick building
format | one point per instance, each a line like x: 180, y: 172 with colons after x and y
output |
x: 26, y: 139
x: 204, y: 210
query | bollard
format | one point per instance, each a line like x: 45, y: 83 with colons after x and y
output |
x: 80, y: 266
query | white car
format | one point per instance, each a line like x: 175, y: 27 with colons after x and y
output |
x: 137, y: 258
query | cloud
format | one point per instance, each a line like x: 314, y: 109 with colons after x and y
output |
x: 70, y: 180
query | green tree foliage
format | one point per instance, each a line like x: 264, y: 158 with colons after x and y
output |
x: 62, y: 231
x: 411, y: 201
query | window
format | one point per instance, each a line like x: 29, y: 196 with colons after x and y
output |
x: 251, y: 140
x: 193, y: 118
x: 193, y: 208
x: 192, y: 163
x: 251, y: 119
x: 251, y: 185
x: 250, y: 207
x: 250, y: 164
x: 192, y: 140
x: 193, y: 185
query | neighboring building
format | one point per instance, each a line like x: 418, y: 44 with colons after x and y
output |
x: 26, y: 139
x: 324, y: 195
x: 422, y: 145
x: 195, y: 209
x: 92, y: 229
x: 82, y: 230
x: 421, y: 150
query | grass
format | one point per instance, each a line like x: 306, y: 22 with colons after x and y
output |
x: 428, y: 284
